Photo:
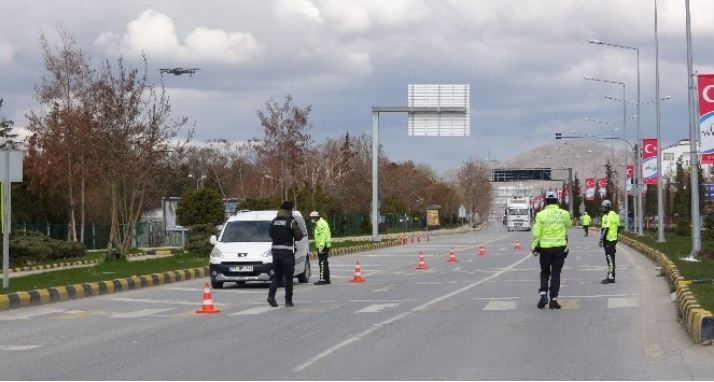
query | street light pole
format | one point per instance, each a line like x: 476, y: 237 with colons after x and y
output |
x: 693, y: 138
x: 624, y: 135
x: 658, y: 112
x: 638, y: 166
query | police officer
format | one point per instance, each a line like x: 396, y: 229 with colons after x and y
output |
x: 550, y: 242
x: 609, y: 232
x: 284, y: 231
x: 585, y: 221
x: 323, y: 242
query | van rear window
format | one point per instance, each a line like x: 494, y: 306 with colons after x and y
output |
x: 247, y: 231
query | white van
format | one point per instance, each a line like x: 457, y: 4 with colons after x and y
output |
x: 241, y: 252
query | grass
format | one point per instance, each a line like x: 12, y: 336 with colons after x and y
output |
x: 678, y: 247
x: 103, y: 272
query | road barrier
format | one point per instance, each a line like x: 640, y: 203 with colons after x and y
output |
x: 699, y: 322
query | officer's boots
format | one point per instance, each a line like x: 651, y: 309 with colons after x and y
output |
x: 272, y: 302
x: 543, y: 301
x: 289, y: 302
x: 554, y: 304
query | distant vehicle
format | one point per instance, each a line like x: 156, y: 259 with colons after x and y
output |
x: 518, y: 214
x: 241, y: 252
x: 179, y: 71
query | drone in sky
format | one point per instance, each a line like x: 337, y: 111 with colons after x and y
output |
x: 179, y: 71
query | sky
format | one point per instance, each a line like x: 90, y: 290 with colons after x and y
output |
x: 524, y: 60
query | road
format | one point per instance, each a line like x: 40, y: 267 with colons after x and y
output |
x: 475, y: 319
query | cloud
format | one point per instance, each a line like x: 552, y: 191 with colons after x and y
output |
x: 155, y: 34
x: 305, y: 9
x: 360, y: 16
x: 7, y: 51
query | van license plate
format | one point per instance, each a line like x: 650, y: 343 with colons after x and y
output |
x: 241, y: 269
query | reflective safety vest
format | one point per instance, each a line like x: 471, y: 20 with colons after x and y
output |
x: 550, y: 226
x: 323, y: 236
x: 611, y: 221
x: 585, y: 219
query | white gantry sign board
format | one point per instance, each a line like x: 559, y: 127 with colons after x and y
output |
x: 15, y: 165
x: 440, y: 123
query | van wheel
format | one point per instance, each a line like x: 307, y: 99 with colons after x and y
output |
x: 216, y: 284
x: 304, y: 277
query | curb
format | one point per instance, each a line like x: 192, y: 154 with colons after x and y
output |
x: 699, y: 322
x: 359, y: 248
x: 71, y: 292
x: 54, y: 266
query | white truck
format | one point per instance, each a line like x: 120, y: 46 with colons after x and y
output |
x: 518, y: 214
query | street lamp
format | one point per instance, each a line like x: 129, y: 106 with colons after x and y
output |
x: 199, y: 180
x: 624, y: 135
x: 638, y: 167
x: 693, y: 137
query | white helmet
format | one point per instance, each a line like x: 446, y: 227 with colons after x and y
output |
x: 314, y: 214
x: 606, y: 204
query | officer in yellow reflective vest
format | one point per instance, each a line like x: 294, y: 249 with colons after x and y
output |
x: 551, y: 243
x: 609, y: 231
x: 585, y: 221
x: 323, y: 242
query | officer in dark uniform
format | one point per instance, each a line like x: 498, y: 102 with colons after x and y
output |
x: 284, y: 231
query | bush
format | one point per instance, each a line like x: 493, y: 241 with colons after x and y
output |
x: 204, y: 206
x: 36, y: 247
x: 197, y: 239
x: 683, y: 228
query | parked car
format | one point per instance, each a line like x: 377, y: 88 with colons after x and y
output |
x: 241, y: 252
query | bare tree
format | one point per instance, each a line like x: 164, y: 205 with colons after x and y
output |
x: 136, y: 134
x: 474, y: 178
x: 285, y: 141
x: 62, y: 124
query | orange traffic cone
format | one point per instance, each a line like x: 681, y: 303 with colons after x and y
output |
x: 422, y: 264
x: 481, y: 250
x: 518, y: 245
x: 207, y: 306
x: 452, y: 257
x: 358, y: 274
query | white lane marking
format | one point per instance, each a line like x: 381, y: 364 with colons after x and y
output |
x: 495, y: 298
x: 626, y: 302
x: 252, y: 311
x: 139, y: 313
x: 500, y: 305
x: 376, y: 308
x: 398, y: 317
x: 151, y: 301
x: 185, y: 289
x: 603, y: 295
x: 30, y: 314
x: 18, y: 347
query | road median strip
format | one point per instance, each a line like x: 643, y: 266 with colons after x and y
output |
x: 699, y: 322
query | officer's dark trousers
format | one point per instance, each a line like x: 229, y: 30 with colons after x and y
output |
x: 324, y: 264
x: 551, y: 263
x: 610, y: 257
x: 586, y: 228
x: 283, y: 268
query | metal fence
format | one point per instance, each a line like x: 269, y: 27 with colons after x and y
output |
x: 152, y: 234
x: 96, y: 236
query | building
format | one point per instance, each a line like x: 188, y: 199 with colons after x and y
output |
x: 679, y: 151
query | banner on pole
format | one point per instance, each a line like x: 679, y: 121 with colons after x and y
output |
x: 705, y: 88
x: 589, y: 189
x: 649, y: 161
x: 602, y: 187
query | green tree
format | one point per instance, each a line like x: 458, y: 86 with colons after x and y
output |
x: 7, y: 138
x: 200, y: 207
x: 577, y: 196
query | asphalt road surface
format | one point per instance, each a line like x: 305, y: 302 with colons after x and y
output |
x: 475, y: 319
